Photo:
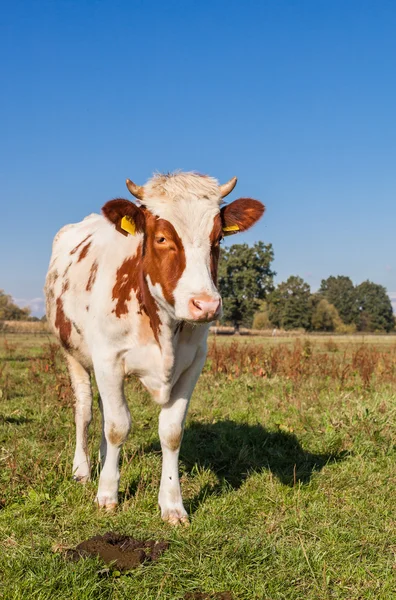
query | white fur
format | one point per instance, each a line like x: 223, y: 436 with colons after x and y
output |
x: 112, y: 346
x: 190, y: 202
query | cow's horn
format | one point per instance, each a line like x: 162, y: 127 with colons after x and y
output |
x: 136, y: 190
x: 226, y: 188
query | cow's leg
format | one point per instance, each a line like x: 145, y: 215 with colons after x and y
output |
x: 171, y: 426
x: 103, y: 443
x: 83, y: 414
x: 117, y: 423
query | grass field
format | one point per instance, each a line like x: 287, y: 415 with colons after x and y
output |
x: 288, y: 473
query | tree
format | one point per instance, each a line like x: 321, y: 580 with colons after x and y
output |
x: 325, y: 316
x: 375, y: 308
x: 290, y: 304
x: 9, y: 311
x: 245, y: 277
x: 261, y: 317
x: 341, y: 293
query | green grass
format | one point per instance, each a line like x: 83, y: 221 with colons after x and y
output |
x: 290, y: 485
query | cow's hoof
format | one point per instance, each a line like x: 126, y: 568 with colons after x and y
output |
x: 176, y: 517
x: 81, y: 478
x: 106, y: 503
x: 81, y: 469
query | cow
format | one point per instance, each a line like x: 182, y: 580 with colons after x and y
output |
x: 133, y: 292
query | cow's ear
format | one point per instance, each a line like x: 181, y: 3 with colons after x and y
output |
x: 126, y: 216
x: 240, y: 215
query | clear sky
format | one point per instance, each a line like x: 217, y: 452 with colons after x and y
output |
x: 296, y: 98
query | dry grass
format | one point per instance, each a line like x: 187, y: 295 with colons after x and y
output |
x: 30, y: 327
x: 287, y: 468
x: 222, y: 330
x: 346, y: 365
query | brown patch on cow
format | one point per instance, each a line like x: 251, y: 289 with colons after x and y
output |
x: 67, y: 269
x: 126, y: 281
x: 148, y: 305
x: 50, y: 293
x: 174, y: 438
x: 164, y: 262
x: 121, y: 551
x: 243, y: 212
x: 63, y: 324
x: 80, y: 244
x: 87, y: 308
x: 215, y: 238
x: 130, y: 277
x: 115, y: 437
x: 65, y: 286
x: 84, y: 251
x: 92, y: 276
x: 52, y: 277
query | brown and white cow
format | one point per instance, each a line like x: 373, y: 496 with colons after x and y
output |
x: 125, y: 292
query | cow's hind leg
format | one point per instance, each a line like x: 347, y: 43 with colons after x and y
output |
x: 116, y: 426
x: 83, y: 414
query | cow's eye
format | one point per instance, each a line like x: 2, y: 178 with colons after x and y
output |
x: 160, y: 239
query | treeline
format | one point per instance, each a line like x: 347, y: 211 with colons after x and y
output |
x: 9, y: 311
x: 251, y: 299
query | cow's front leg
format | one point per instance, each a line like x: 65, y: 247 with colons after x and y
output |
x: 171, y: 426
x: 117, y: 423
x: 171, y: 423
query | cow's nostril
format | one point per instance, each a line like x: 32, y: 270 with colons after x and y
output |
x: 205, y: 308
x: 197, y: 304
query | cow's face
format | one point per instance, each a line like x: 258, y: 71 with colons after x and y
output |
x: 182, y: 226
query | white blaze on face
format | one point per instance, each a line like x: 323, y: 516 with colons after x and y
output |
x: 196, y: 281
x: 191, y: 210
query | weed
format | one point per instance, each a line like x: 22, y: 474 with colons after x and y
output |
x: 303, y: 361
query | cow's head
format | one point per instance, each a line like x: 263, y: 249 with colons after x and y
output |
x: 182, y: 222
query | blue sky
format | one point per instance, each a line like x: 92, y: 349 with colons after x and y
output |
x: 295, y: 98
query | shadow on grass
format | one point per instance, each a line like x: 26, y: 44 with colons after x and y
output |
x: 18, y: 358
x: 15, y: 420
x: 234, y: 450
x: 130, y: 491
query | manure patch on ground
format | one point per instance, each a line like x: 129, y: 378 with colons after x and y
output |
x: 204, y: 596
x: 121, y: 551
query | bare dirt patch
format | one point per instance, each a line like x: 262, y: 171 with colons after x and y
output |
x: 121, y: 551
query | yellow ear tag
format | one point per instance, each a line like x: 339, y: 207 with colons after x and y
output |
x: 128, y: 225
x: 231, y: 229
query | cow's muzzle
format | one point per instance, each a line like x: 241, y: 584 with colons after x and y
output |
x: 204, y: 309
